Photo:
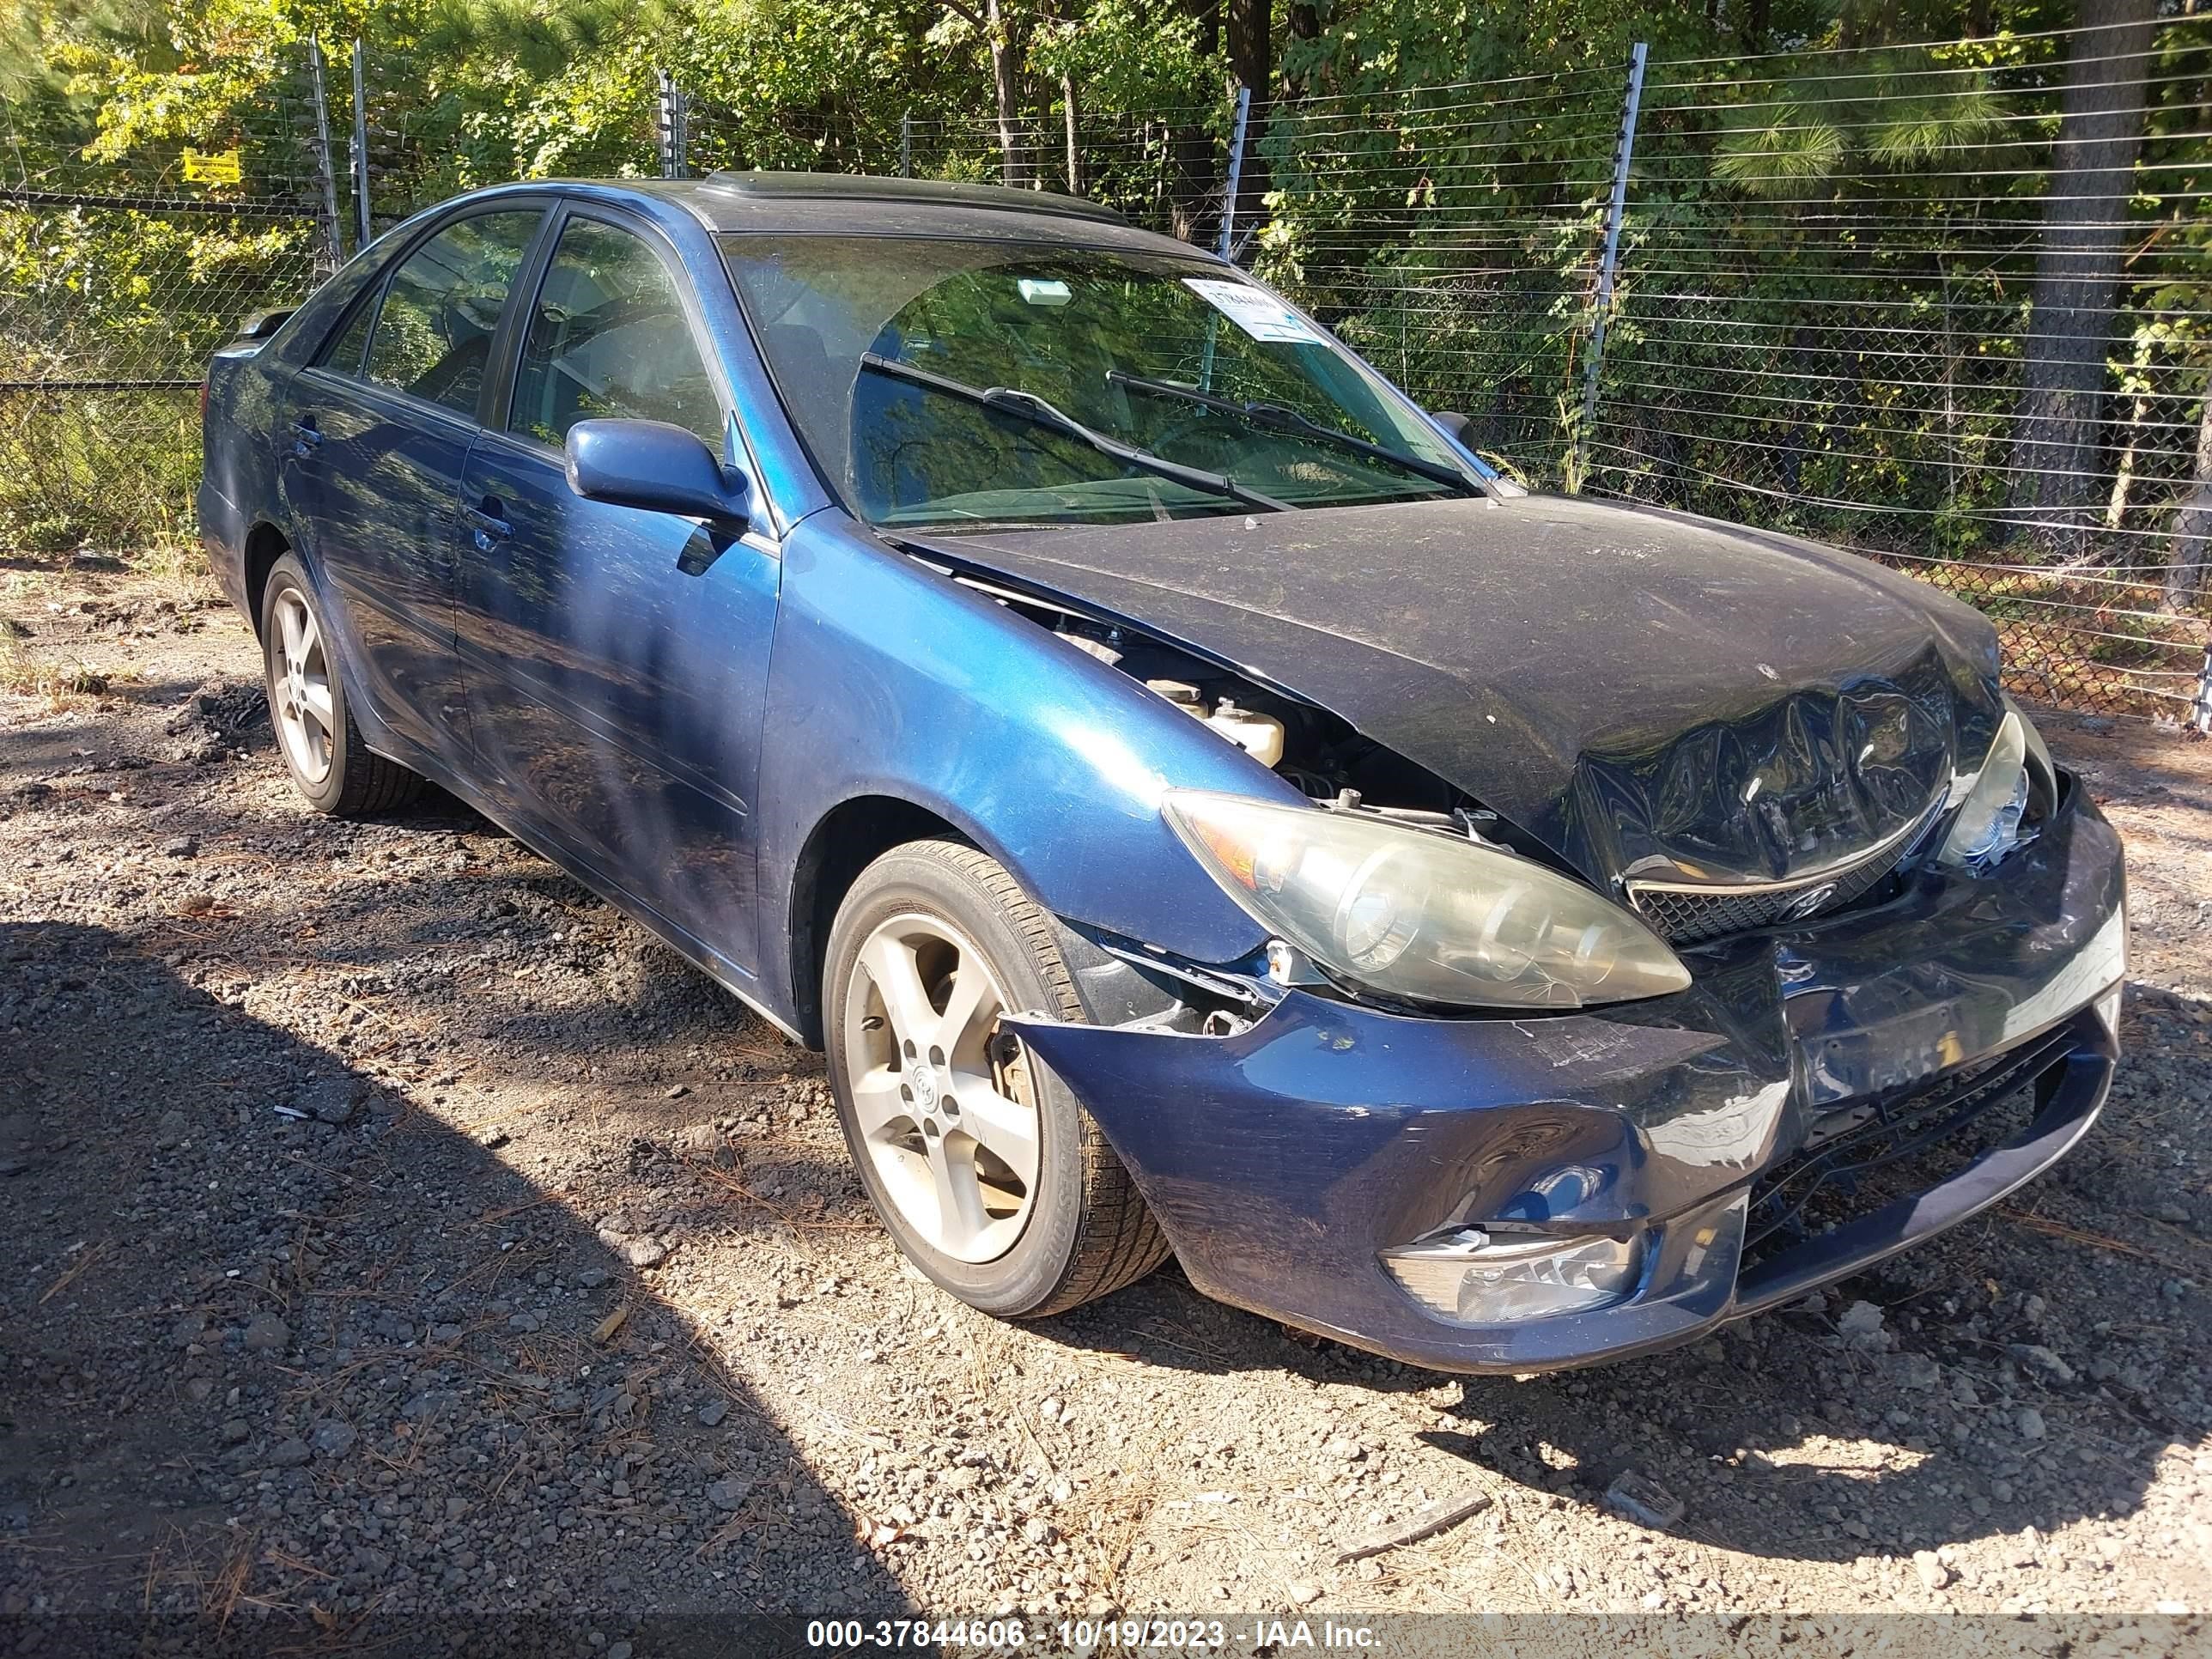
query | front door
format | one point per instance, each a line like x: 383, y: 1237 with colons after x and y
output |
x: 615, y: 659
x: 380, y: 426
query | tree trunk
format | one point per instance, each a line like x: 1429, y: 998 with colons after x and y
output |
x: 1757, y: 23
x: 2078, y: 268
x: 1302, y: 19
x: 1067, y: 109
x: 2123, y: 470
x: 1191, y: 149
x: 1252, y: 64
x: 1005, y: 88
x: 2192, y: 524
x: 1208, y: 13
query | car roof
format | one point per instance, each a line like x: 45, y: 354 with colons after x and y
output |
x: 867, y: 204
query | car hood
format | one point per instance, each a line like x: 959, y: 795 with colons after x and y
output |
x: 1647, y: 693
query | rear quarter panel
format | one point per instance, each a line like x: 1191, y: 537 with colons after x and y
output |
x: 237, y: 478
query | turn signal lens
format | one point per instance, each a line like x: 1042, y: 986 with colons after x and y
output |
x: 1469, y: 1277
x: 1427, y: 917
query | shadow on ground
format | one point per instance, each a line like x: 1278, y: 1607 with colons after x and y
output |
x: 270, y: 1373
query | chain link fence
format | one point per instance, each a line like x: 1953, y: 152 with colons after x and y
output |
x: 122, y: 266
x: 1945, y: 304
x: 1165, y: 169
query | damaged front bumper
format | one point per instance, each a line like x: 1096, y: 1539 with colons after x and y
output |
x: 1285, y: 1161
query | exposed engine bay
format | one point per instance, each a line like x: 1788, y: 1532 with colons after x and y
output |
x: 1816, y: 800
x: 1317, y: 751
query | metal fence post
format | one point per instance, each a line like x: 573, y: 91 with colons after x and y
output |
x: 1609, y: 262
x: 906, y: 144
x: 362, y: 233
x: 672, y: 127
x: 2200, y: 712
x: 1228, y: 227
x: 325, y: 175
x: 1236, y: 173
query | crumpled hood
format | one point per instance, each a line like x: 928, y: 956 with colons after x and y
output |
x: 1646, y: 692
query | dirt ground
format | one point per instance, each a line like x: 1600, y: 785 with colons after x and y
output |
x: 392, y: 1230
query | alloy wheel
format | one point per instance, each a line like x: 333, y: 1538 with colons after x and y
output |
x: 299, y: 688
x: 946, y: 1106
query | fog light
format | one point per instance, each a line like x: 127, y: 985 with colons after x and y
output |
x: 1465, y: 1275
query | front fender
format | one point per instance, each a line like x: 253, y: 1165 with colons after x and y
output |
x: 888, y: 680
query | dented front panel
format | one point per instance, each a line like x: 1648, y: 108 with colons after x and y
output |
x: 1281, y: 1160
x: 1649, y: 694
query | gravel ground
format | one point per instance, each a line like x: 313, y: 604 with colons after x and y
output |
x: 393, y: 1230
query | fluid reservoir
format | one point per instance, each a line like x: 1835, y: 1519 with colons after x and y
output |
x: 1182, y: 694
x: 1260, y: 736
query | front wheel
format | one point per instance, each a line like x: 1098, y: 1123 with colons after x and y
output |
x: 990, y: 1175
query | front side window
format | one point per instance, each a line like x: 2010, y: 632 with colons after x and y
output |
x: 434, y: 331
x: 947, y: 382
x: 608, y: 339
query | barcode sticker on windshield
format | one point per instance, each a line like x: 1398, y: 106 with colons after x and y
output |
x: 1259, y: 314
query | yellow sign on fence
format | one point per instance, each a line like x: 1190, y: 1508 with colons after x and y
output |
x: 211, y: 167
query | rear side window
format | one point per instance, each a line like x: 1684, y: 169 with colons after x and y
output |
x: 434, y: 332
x: 608, y: 337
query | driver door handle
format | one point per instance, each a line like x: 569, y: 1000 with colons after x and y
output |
x: 307, y: 436
x: 487, y: 523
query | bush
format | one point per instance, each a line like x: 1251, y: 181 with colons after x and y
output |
x: 97, y: 469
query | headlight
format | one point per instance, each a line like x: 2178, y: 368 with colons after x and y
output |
x: 1987, y: 823
x: 1414, y: 915
x: 1472, y: 1278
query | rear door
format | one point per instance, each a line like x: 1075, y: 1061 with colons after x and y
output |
x: 616, y: 659
x: 380, y: 426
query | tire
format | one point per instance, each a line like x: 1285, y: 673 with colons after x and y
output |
x: 1080, y: 1230
x: 307, y: 707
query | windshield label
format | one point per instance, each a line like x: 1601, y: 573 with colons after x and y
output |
x: 1258, y: 313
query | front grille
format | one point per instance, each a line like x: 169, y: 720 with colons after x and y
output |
x: 1691, y: 915
x: 1871, y: 1153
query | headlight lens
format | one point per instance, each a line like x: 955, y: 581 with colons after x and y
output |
x: 1987, y: 824
x: 1471, y: 1278
x: 1418, y: 916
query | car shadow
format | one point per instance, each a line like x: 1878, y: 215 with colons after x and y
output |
x: 1784, y: 1435
x: 290, y: 1357
x: 2029, y: 1368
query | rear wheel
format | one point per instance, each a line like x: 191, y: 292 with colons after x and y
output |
x: 989, y: 1175
x: 322, y: 747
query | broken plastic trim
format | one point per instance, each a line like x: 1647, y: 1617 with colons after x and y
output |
x: 1211, y: 981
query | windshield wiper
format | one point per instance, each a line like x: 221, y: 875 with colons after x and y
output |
x: 1281, y: 419
x: 1028, y: 406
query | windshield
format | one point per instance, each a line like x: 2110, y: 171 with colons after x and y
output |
x: 947, y: 382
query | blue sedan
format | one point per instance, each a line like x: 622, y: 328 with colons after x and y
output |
x: 1198, y: 805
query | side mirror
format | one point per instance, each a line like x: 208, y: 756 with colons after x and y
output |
x: 1454, y: 426
x: 654, y: 465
